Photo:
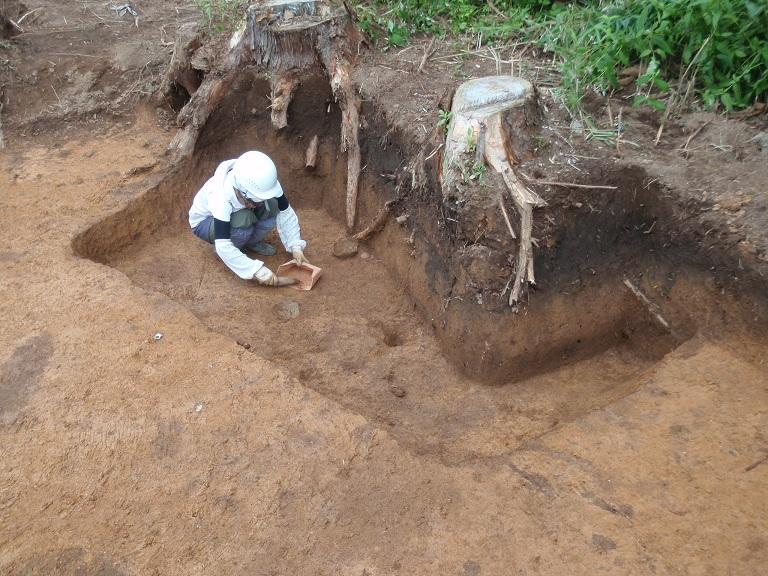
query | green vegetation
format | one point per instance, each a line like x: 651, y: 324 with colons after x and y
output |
x: 444, y: 119
x: 221, y: 15
x: 717, y: 47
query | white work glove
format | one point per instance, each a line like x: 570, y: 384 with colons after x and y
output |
x: 265, y: 277
x: 298, y: 255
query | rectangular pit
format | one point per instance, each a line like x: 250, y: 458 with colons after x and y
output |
x: 377, y: 334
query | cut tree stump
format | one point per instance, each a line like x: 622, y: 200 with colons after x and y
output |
x: 488, y: 121
x: 287, y: 41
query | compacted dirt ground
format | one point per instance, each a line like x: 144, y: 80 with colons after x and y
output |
x: 323, y: 432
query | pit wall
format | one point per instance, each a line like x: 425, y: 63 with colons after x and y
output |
x: 574, y: 315
x: 581, y: 306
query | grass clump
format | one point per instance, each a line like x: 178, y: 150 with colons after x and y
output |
x: 717, y: 49
x: 221, y: 15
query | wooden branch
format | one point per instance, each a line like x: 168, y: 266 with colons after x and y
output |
x: 428, y: 52
x: 2, y: 138
x: 506, y: 217
x: 652, y: 308
x: 350, y: 124
x: 572, y: 185
x: 498, y: 12
x: 684, y: 149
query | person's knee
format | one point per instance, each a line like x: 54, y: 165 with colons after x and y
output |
x: 241, y: 236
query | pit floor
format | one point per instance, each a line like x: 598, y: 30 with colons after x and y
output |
x: 358, y: 341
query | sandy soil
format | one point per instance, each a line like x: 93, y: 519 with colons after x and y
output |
x: 191, y: 454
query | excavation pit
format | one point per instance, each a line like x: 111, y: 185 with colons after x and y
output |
x: 476, y: 381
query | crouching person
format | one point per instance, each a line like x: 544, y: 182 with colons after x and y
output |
x: 237, y: 207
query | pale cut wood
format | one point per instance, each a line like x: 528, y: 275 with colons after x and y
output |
x: 310, y: 159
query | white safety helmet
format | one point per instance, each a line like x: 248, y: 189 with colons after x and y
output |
x: 255, y: 175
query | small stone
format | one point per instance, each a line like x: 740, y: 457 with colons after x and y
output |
x: 603, y: 543
x: 731, y: 205
x: 762, y: 141
x: 577, y: 127
x: 397, y: 391
x: 365, y: 256
x: 287, y: 310
x: 345, y: 247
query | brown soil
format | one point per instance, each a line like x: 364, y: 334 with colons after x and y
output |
x: 351, y: 429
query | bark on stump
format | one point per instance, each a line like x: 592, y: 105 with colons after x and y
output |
x: 488, y: 125
x: 287, y: 41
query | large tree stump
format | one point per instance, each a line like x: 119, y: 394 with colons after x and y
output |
x: 287, y: 41
x: 489, y: 122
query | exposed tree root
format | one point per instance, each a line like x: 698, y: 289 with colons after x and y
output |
x: 493, y: 118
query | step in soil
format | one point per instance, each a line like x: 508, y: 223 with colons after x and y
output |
x: 357, y: 339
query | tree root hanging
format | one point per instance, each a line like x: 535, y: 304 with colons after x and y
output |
x: 523, y: 199
x: 283, y: 89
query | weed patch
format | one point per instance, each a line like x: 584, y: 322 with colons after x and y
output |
x: 715, y: 49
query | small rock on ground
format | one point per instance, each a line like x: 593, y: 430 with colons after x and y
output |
x: 397, y: 391
x: 287, y: 310
x: 345, y: 247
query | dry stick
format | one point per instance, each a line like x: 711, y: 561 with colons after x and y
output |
x: 506, y: 217
x: 671, y: 103
x: 28, y: 14
x: 684, y: 149
x: 427, y: 53
x: 498, y: 12
x: 572, y: 185
x: 76, y: 54
x: 652, y: 308
x: 663, y: 121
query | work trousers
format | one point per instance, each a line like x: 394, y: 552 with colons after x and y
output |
x: 245, y: 228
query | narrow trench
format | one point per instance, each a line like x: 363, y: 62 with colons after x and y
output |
x: 365, y: 336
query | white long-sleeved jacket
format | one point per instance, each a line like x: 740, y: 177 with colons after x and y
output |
x: 217, y: 198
